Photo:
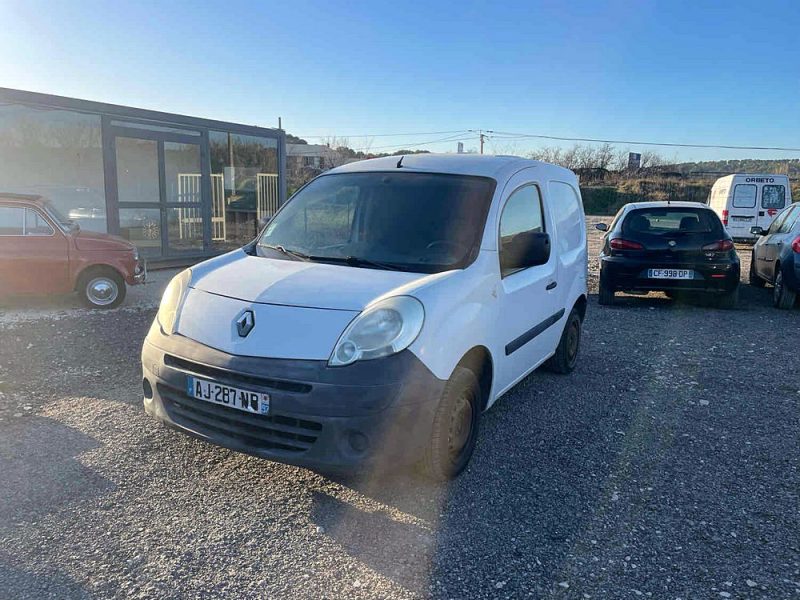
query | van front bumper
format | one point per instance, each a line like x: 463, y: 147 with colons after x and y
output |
x: 370, y: 414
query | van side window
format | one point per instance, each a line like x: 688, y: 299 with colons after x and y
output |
x: 567, y: 216
x: 773, y: 196
x: 521, y: 214
x: 35, y: 224
x: 12, y: 220
x: 744, y: 195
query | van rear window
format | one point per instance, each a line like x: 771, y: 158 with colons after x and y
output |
x: 773, y: 196
x: 665, y: 221
x: 744, y: 195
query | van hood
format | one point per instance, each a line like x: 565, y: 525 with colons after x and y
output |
x: 255, y: 279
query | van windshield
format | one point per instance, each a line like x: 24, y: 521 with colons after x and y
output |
x: 421, y: 222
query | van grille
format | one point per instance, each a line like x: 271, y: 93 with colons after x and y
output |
x: 260, y: 432
x: 234, y: 378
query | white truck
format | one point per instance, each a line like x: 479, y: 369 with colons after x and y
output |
x: 746, y: 200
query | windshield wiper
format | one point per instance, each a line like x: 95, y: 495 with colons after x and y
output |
x: 353, y: 261
x: 356, y: 261
x: 287, y: 252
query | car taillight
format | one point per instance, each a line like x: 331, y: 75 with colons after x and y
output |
x: 620, y: 244
x: 720, y: 246
x: 725, y: 218
x: 796, y: 244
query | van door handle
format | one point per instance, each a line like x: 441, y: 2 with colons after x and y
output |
x: 552, y: 285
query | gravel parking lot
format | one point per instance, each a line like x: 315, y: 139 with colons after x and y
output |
x: 666, y: 466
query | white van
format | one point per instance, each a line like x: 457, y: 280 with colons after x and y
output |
x: 746, y: 200
x: 384, y: 307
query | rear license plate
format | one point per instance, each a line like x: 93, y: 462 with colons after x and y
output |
x: 670, y: 273
x: 226, y: 395
x: 738, y: 218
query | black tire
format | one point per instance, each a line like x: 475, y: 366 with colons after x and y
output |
x: 728, y: 301
x: 566, y: 356
x: 753, y: 278
x: 451, y: 445
x: 102, y: 288
x: 605, y: 295
x: 783, y: 297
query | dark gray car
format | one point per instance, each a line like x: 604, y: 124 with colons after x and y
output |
x: 776, y: 257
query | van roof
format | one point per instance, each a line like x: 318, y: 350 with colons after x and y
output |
x: 753, y: 175
x: 496, y: 167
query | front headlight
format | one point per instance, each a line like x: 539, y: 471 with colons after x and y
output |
x: 172, y: 300
x: 384, y: 328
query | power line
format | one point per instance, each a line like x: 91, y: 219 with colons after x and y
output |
x: 461, y: 136
x: 514, y: 136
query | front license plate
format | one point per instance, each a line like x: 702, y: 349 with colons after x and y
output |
x: 670, y: 273
x: 226, y: 395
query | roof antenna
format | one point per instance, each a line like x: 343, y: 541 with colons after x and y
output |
x: 400, y: 162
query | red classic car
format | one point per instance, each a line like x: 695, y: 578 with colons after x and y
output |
x: 43, y: 253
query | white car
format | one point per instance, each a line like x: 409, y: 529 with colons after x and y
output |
x: 384, y: 307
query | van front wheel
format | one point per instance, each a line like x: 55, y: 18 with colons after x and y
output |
x: 566, y: 356
x: 455, y: 427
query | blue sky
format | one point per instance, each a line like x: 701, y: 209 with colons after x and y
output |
x: 697, y: 72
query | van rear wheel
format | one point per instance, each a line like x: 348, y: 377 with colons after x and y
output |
x: 566, y: 356
x: 455, y: 427
x: 783, y: 297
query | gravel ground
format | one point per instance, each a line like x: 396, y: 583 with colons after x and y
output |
x: 666, y: 466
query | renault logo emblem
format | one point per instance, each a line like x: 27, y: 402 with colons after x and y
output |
x: 245, y: 323
x: 671, y: 243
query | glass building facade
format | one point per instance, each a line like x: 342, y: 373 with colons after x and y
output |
x: 176, y: 186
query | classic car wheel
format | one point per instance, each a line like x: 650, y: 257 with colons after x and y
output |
x: 102, y: 288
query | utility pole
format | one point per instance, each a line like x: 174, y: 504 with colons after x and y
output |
x: 482, y: 136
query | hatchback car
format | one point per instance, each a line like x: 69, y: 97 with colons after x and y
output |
x: 672, y: 247
x: 384, y: 307
x: 41, y: 252
x: 776, y: 257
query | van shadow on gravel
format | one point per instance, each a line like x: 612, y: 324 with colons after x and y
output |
x: 543, y: 468
x: 40, y: 472
x: 54, y: 586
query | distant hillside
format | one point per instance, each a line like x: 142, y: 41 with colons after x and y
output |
x: 789, y: 167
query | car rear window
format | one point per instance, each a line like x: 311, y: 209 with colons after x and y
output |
x: 668, y: 221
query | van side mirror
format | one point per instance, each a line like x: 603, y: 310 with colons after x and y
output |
x: 526, y: 249
x: 601, y: 226
x: 756, y: 230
